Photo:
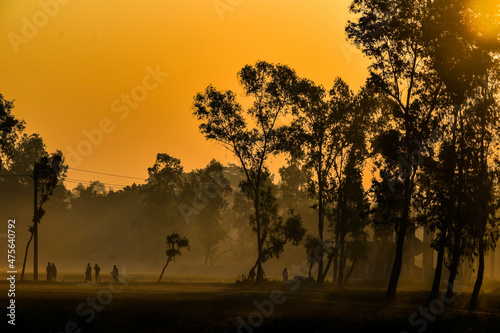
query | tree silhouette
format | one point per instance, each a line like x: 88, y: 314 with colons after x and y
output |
x: 313, y: 138
x: 46, y: 176
x: 392, y: 34
x: 208, y: 187
x: 175, y: 244
x: 325, y: 133
x: 465, y: 45
x: 10, y: 129
x: 276, y: 231
x: 349, y: 215
x: 223, y: 120
x: 487, y: 172
x: 162, y: 191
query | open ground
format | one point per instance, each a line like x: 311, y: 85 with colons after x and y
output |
x: 140, y: 306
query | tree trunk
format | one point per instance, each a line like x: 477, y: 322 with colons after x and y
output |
x: 310, y: 269
x: 453, y: 268
x: 401, y: 235
x: 26, y: 256
x: 350, y: 272
x: 207, y: 251
x: 35, y: 227
x: 479, y: 279
x: 438, y: 273
x: 327, y: 267
x: 163, y: 270
x: 398, y: 263
x: 260, y: 273
x: 483, y: 205
x: 336, y: 259
x: 253, y: 268
x: 342, y: 262
x: 335, y: 266
x: 321, y: 216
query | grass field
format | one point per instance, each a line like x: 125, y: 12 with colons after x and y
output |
x: 215, y: 307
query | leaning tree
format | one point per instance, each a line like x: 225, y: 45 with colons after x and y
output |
x: 174, y: 245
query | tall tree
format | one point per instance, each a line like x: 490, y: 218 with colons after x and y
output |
x: 47, y: 174
x: 435, y: 206
x: 355, y: 114
x: 487, y: 183
x: 326, y: 131
x: 20, y: 156
x: 391, y: 33
x: 223, y: 120
x: 484, y: 19
x: 313, y: 138
x: 349, y: 215
x: 465, y: 43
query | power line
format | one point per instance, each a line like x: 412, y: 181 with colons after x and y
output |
x: 113, y: 187
x: 107, y: 174
x: 91, y: 181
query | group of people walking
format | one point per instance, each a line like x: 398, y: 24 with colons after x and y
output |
x: 88, y: 273
x: 51, y: 272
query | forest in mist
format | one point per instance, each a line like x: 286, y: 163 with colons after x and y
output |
x: 128, y: 226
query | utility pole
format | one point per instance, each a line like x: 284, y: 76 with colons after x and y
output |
x: 35, y: 226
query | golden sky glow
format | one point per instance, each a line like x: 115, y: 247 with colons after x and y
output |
x: 484, y: 18
x: 70, y: 71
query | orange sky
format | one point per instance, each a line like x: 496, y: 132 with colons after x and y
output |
x: 68, y: 69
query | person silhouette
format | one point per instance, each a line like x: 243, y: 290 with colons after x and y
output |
x: 49, y: 272
x: 285, y: 275
x: 97, y: 269
x: 88, y: 273
x: 54, y: 272
x: 115, y: 273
